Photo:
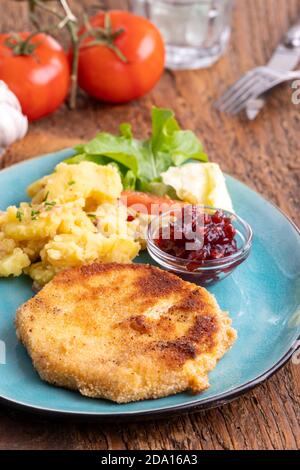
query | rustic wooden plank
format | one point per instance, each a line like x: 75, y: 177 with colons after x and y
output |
x: 264, y: 154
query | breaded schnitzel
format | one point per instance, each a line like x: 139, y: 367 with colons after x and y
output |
x: 124, y: 332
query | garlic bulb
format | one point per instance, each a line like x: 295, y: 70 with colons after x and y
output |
x: 13, y: 124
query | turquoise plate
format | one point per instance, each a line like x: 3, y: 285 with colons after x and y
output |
x: 262, y: 296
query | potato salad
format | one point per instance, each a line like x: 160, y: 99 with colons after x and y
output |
x: 74, y: 218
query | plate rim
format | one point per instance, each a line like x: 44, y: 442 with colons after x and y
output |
x: 198, y: 404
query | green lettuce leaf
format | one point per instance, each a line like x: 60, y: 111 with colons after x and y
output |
x: 141, y: 162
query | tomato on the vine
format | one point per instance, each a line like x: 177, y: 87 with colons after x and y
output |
x: 37, y: 71
x: 121, y: 58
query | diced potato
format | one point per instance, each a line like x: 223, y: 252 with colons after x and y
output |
x: 111, y: 219
x: 13, y: 263
x: 40, y: 273
x: 46, y: 221
x: 119, y: 250
x: 94, y: 183
x: 20, y: 225
x: 74, y: 250
x: 32, y: 248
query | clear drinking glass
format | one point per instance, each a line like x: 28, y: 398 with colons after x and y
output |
x: 196, y: 32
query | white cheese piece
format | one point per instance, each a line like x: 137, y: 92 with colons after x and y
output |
x: 199, y: 183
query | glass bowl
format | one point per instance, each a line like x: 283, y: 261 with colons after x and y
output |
x: 209, y: 271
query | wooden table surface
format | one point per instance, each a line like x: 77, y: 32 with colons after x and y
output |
x: 264, y: 154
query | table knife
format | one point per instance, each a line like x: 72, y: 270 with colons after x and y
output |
x: 285, y: 58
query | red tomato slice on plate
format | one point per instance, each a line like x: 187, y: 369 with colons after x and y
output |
x: 147, y: 203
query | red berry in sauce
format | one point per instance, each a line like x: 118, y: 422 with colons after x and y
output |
x: 203, y: 236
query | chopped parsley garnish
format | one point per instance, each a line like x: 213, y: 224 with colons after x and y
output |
x: 51, y: 203
x: 70, y: 183
x: 92, y: 216
x: 46, y: 197
x: 34, y: 214
x: 19, y: 215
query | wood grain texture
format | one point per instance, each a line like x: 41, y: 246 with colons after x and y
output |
x: 264, y: 154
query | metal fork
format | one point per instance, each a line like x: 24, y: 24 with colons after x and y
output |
x: 250, y: 86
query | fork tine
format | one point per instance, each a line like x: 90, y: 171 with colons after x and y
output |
x: 252, y: 91
x: 230, y: 91
x: 250, y: 86
x: 266, y: 83
x: 233, y: 89
x: 252, y: 94
x: 236, y: 91
x: 246, y: 89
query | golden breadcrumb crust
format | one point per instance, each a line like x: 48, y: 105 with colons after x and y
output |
x: 124, y: 332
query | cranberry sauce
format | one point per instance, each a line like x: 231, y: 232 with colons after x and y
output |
x: 198, y: 236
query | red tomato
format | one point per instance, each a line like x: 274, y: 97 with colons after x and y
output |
x: 105, y: 76
x: 40, y: 80
x: 148, y: 203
